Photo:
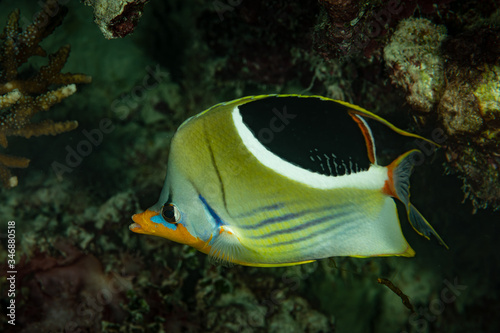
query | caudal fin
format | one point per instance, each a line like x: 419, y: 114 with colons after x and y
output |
x: 398, y: 186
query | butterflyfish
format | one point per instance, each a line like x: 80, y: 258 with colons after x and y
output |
x: 278, y: 180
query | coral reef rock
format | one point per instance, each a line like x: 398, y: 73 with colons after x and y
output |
x: 413, y: 57
x: 453, y: 83
x: 117, y: 18
x: 23, y: 96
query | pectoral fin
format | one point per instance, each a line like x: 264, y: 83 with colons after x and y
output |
x: 226, y: 248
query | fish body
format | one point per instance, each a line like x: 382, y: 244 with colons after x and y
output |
x: 279, y: 180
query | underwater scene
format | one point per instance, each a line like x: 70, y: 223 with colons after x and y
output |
x: 250, y: 166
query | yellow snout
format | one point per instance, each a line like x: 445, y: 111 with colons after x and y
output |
x: 174, y: 232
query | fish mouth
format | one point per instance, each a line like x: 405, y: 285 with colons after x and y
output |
x: 142, y: 222
x: 136, y: 225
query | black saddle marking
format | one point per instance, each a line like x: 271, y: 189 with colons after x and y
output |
x: 314, y: 134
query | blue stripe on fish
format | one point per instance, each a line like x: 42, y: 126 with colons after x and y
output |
x: 283, y: 218
x: 269, y: 208
x: 273, y: 220
x: 160, y: 220
x: 311, y: 235
x: 213, y: 214
x: 305, y: 225
x: 289, y: 216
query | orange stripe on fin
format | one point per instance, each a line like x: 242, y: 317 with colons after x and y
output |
x: 399, y: 172
x: 363, y: 113
x: 367, y: 134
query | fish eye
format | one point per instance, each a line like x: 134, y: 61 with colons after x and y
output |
x: 170, y: 213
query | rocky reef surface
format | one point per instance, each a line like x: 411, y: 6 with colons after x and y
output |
x: 452, y: 82
x: 423, y: 65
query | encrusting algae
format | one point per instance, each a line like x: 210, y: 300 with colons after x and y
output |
x: 452, y: 82
x: 21, y: 96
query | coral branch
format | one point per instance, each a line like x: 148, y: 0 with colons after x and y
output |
x: 9, y: 99
x: 6, y: 162
x: 23, y: 97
